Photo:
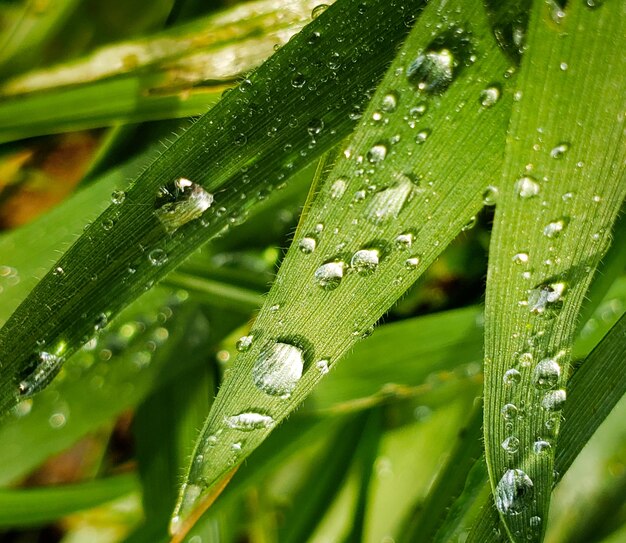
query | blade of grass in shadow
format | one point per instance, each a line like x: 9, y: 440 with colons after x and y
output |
x: 592, y: 395
x: 179, y: 72
x: 562, y: 187
x: 38, y: 506
x: 240, y: 153
x: 392, y: 203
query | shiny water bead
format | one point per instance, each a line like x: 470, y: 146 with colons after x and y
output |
x: 318, y: 10
x: 422, y: 136
x: 377, y: 153
x: 45, y: 368
x: 249, y: 421
x: 390, y: 102
x: 180, y: 202
x: 541, y: 447
x: 539, y: 299
x: 244, y: 343
x: 278, y: 369
x: 157, y: 257
x: 365, y: 261
x: 546, y: 374
x: 520, y: 258
x: 489, y: 96
x: 118, y: 197
x: 338, y: 188
x: 510, y: 445
x: 329, y: 275
x: 412, y: 263
x: 404, y: 241
x: 526, y: 187
x: 307, y: 245
x: 322, y: 366
x: 554, y: 228
x: 432, y: 71
x: 512, y: 377
x: 560, y: 150
x: 513, y: 492
x: 490, y: 195
x: 554, y: 400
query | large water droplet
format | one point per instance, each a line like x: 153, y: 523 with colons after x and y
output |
x: 377, y: 153
x: 244, y: 343
x: 318, y: 10
x: 554, y: 400
x: 510, y: 445
x: 509, y: 411
x: 329, y: 275
x: 307, y: 244
x: 278, y: 369
x: 390, y: 102
x: 540, y: 298
x: 541, y: 447
x: 432, y: 71
x: 118, y: 197
x: 526, y: 187
x: 546, y: 374
x: 512, y: 377
x: 513, y: 492
x: 489, y: 96
x: 249, y: 421
x: 46, y: 366
x: 180, y: 202
x: 388, y: 203
x: 365, y: 261
x: 157, y: 257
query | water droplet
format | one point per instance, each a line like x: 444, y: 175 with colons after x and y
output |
x: 526, y: 187
x: 157, y: 257
x: 390, y: 102
x: 377, y: 153
x: 101, y: 321
x: 322, y: 366
x: 404, y: 241
x: 541, y: 447
x: 546, y: 374
x: 329, y: 275
x: 315, y: 127
x: 318, y: 10
x: 307, y: 245
x: 419, y: 110
x: 108, y: 224
x: 278, y: 369
x: 555, y: 228
x: 520, y: 258
x: 244, y: 343
x: 513, y: 492
x: 490, y: 196
x: 249, y: 421
x: 338, y: 188
x: 365, y: 261
x: 432, y: 71
x: 387, y: 203
x: 525, y: 359
x: 58, y: 271
x: 180, y: 202
x: 511, y: 445
x: 560, y: 150
x: 512, y: 377
x: 535, y: 522
x: 509, y: 411
x: 554, y: 400
x: 422, y: 136
x: 412, y: 263
x: 118, y: 197
x: 594, y: 4
x: 540, y: 298
x: 489, y: 96
x: 470, y: 224
x: 45, y: 367
x: 298, y: 81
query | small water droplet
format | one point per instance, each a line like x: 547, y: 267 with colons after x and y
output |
x: 244, y: 343
x: 422, y: 136
x: 390, y: 102
x: 539, y: 299
x: 101, y: 321
x: 513, y: 492
x: 555, y: 228
x: 526, y: 187
x: 329, y: 275
x: 338, y: 188
x: 520, y: 258
x: 365, y: 261
x: 535, y: 522
x: 45, y: 366
x: 509, y: 411
x: 307, y: 245
x: 512, y: 377
x: 249, y: 421
x: 404, y: 241
x: 412, y: 263
x: 510, y: 445
x: 315, y: 127
x: 278, y: 369
x: 58, y: 271
x: 547, y: 374
x: 419, y: 110
x: 322, y: 366
x: 118, y: 197
x: 180, y: 202
x: 489, y: 96
x: 541, y: 447
x: 298, y: 81
x: 490, y: 196
x: 318, y: 10
x: 525, y: 359
x: 377, y: 153
x: 108, y: 224
x: 554, y: 400
x: 560, y: 150
x: 157, y: 257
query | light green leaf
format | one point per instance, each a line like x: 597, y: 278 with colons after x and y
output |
x: 237, y: 155
x: 562, y: 187
x: 401, y: 191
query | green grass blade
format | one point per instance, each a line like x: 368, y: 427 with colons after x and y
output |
x: 31, y: 507
x: 228, y: 153
x: 593, y: 393
x: 563, y: 185
x: 179, y: 72
x: 304, y: 321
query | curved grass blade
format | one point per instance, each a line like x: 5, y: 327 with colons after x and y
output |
x: 402, y: 190
x: 563, y: 185
x: 31, y: 507
x: 594, y: 393
x: 240, y: 153
x: 176, y: 73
